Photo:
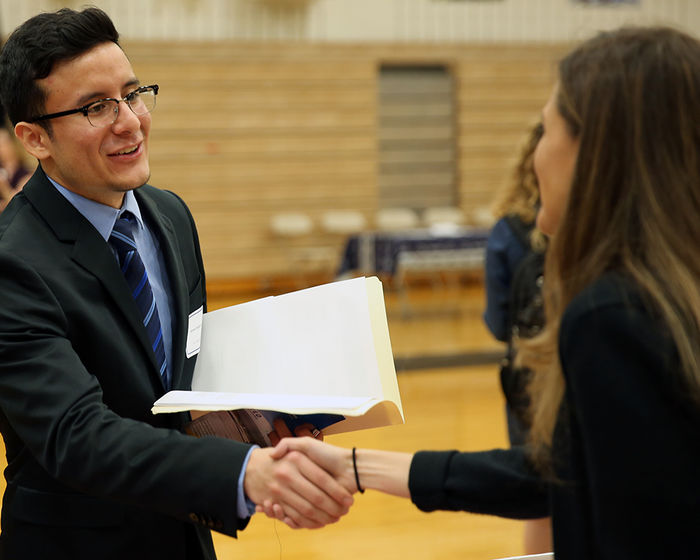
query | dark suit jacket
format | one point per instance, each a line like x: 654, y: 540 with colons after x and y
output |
x: 92, y: 473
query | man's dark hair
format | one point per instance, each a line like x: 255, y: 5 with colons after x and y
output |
x: 41, y: 42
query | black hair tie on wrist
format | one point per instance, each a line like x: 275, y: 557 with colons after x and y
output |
x: 357, y: 477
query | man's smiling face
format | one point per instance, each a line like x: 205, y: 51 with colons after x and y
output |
x: 97, y: 163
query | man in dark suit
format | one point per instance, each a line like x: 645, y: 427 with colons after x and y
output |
x: 102, y: 283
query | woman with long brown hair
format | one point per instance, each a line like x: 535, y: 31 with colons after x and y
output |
x: 616, y: 398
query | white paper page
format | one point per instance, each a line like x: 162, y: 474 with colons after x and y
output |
x: 316, y: 341
x: 176, y: 401
x: 231, y: 352
x: 341, y: 358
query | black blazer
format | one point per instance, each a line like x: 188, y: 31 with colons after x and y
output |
x: 91, y: 472
x: 626, y: 450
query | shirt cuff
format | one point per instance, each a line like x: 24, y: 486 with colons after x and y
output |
x: 245, y: 508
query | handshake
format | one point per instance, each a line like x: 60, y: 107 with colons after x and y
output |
x: 307, y: 483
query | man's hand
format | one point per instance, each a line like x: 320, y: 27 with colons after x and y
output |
x: 386, y: 471
x: 336, y: 461
x: 308, y: 495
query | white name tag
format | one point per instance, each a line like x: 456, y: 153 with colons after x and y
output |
x: 194, y: 333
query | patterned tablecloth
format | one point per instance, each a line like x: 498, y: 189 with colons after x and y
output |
x: 379, y: 252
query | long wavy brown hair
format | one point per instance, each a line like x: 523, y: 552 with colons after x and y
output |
x: 521, y: 194
x: 632, y: 98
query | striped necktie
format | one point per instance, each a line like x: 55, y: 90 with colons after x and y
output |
x: 122, y: 240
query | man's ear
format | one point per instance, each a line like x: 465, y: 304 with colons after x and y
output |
x: 34, y: 138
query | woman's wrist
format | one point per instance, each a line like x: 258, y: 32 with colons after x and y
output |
x: 386, y: 471
x: 354, y: 469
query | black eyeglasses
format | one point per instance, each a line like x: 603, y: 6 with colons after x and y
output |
x: 104, y: 112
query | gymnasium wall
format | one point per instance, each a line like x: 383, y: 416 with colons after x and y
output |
x: 272, y: 105
x: 245, y: 131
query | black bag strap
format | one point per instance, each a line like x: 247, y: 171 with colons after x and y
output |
x: 525, y: 310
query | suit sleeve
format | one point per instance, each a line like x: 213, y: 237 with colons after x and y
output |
x: 497, y: 482
x: 54, y: 408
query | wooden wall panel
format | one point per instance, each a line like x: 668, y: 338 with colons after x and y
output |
x: 246, y: 130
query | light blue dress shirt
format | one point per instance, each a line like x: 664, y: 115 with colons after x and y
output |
x: 103, y: 218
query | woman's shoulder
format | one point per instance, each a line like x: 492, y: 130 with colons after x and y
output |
x: 610, y: 295
x: 611, y: 288
x: 501, y: 229
x: 509, y: 232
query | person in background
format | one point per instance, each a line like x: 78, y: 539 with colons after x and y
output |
x: 13, y: 173
x: 514, y: 310
x: 512, y: 237
x: 102, y: 282
x: 614, y: 449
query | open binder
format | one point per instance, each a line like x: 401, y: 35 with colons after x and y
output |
x: 324, y: 349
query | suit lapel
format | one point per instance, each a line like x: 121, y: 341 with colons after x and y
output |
x: 163, y: 228
x: 90, y: 251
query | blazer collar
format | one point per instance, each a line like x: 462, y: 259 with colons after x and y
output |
x: 92, y: 253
